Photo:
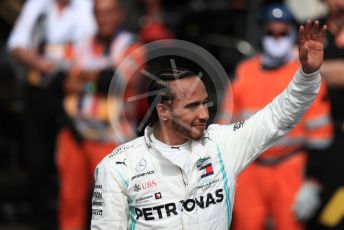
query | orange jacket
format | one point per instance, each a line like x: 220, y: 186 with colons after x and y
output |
x: 112, y: 117
x: 255, y: 87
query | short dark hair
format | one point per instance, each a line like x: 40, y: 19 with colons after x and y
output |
x: 159, y: 90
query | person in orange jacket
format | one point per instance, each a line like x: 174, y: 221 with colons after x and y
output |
x: 276, y: 186
x: 91, y: 134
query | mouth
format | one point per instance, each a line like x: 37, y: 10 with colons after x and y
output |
x: 200, y: 126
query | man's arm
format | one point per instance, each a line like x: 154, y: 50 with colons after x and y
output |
x: 243, y: 142
x: 109, y: 203
x: 33, y: 60
x: 20, y: 40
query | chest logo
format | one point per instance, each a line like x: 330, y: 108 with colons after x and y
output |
x: 141, y: 165
x: 144, y: 185
x: 238, y: 125
x: 206, y: 170
x: 157, y: 195
x: 162, y: 211
x: 121, y: 162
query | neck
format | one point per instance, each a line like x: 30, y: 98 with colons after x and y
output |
x: 104, y: 40
x: 165, y: 135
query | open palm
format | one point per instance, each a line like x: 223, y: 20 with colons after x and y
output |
x: 311, y: 46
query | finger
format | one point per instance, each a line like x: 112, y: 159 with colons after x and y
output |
x: 307, y: 28
x: 322, y: 34
x: 308, y: 25
x: 301, y: 34
x: 314, y: 30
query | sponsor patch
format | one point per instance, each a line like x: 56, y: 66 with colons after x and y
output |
x: 201, y: 161
x: 207, y: 184
x: 142, y: 174
x: 137, y: 188
x: 120, y: 149
x: 157, y: 195
x: 238, y: 125
x: 97, y: 212
x: 170, y: 209
x: 97, y: 195
x: 96, y: 203
x: 141, y: 165
x: 144, y: 185
x: 144, y: 198
x: 206, y: 170
x: 121, y: 162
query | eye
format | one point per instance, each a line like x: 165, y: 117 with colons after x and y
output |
x: 268, y: 33
x: 193, y: 105
x: 284, y: 34
x: 281, y: 33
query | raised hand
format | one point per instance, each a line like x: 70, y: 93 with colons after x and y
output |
x: 311, y: 46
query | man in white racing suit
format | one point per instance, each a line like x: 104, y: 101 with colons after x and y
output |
x: 180, y: 175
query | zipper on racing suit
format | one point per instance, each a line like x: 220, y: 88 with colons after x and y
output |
x: 185, y: 181
x: 188, y: 193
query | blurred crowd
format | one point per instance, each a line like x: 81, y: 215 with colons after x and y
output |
x: 64, y: 78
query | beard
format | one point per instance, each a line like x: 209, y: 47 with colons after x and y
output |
x: 187, y: 131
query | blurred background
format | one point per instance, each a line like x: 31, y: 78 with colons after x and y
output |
x: 228, y: 29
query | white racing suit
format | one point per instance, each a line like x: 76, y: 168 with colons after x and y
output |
x: 137, y: 188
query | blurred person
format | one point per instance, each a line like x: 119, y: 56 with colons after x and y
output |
x: 152, y: 25
x: 90, y: 135
x: 331, y: 165
x: 181, y: 174
x: 276, y: 186
x: 334, y: 47
x: 42, y: 41
x: 306, y: 9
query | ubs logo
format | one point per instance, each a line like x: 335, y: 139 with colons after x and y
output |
x: 144, y: 185
x: 148, y: 184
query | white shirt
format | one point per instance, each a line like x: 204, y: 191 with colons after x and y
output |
x: 72, y: 24
x: 179, y: 154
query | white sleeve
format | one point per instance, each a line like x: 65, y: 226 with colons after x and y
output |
x: 21, y: 34
x: 242, y: 142
x: 109, y: 203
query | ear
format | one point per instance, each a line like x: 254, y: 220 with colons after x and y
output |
x: 163, y: 111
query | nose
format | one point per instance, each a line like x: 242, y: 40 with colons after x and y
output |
x: 204, y: 113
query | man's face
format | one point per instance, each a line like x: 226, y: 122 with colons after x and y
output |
x: 277, y: 29
x: 278, y: 40
x: 109, y: 16
x: 189, y: 112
